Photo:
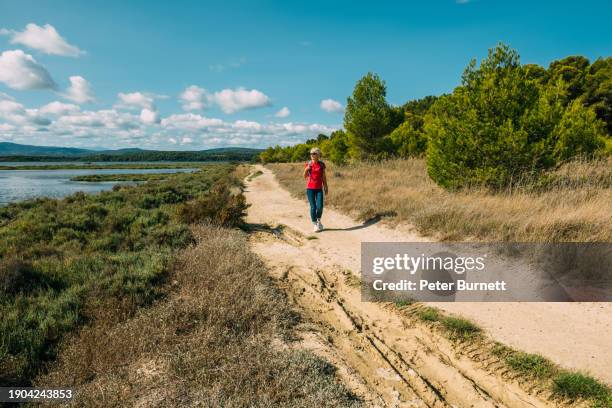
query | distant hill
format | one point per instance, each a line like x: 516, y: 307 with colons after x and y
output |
x: 14, y: 149
x: 18, y: 152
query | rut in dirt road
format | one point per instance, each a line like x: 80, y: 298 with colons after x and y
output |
x: 387, y: 356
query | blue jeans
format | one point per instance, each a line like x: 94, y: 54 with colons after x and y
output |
x: 315, y: 198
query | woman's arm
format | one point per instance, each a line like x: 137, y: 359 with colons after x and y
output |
x: 324, y: 179
x: 306, y: 172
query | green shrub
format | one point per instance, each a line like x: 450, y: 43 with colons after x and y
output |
x: 408, y: 141
x: 17, y: 276
x: 220, y: 206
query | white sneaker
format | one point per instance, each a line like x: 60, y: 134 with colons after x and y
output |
x: 319, y: 225
x: 315, y: 227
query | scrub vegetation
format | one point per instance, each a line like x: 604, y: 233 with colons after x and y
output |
x: 150, y: 293
x: 506, y: 125
x: 62, y: 260
x: 220, y: 337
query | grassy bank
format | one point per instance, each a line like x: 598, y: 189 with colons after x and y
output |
x: 90, y: 166
x: 96, y: 178
x: 64, y: 262
x: 573, y: 203
x: 218, y: 339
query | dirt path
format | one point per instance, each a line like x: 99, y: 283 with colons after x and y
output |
x: 388, y: 357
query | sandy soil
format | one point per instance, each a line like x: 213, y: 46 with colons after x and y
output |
x: 574, y: 335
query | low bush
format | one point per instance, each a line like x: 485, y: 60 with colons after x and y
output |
x: 220, y: 206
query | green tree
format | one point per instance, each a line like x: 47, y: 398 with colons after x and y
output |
x: 572, y: 72
x: 267, y: 155
x: 300, y: 153
x: 338, y: 147
x: 578, y: 133
x: 598, y: 90
x: 502, y: 123
x: 418, y: 107
x: 368, y: 116
x: 408, y: 140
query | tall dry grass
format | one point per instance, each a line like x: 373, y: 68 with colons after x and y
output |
x: 573, y: 203
x: 212, y: 342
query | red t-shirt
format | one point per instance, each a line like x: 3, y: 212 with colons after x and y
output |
x: 315, y: 176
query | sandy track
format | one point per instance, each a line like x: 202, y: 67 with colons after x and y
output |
x: 387, y: 355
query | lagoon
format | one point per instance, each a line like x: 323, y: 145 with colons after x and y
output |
x: 17, y: 185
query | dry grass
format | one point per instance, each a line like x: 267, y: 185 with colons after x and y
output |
x: 210, y: 342
x: 241, y: 171
x: 573, y: 203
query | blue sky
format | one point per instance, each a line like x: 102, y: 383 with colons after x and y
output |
x: 114, y: 74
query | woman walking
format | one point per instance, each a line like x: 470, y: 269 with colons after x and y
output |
x: 314, y: 172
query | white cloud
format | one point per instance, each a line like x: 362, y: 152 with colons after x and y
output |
x: 16, y: 113
x: 149, y: 117
x: 136, y: 100
x: 61, y: 123
x: 193, y: 98
x: 59, y: 108
x: 108, y: 119
x: 330, y: 105
x: 190, y: 121
x: 20, y: 71
x: 45, y: 39
x: 79, y: 90
x: 9, y: 109
x: 228, y: 100
x: 247, y: 125
x: 240, y: 132
x: 283, y: 113
x: 231, y: 101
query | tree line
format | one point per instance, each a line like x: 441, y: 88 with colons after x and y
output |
x: 505, y: 121
x: 215, y: 155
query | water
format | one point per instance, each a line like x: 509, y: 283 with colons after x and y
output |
x: 79, y: 163
x: 17, y: 185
